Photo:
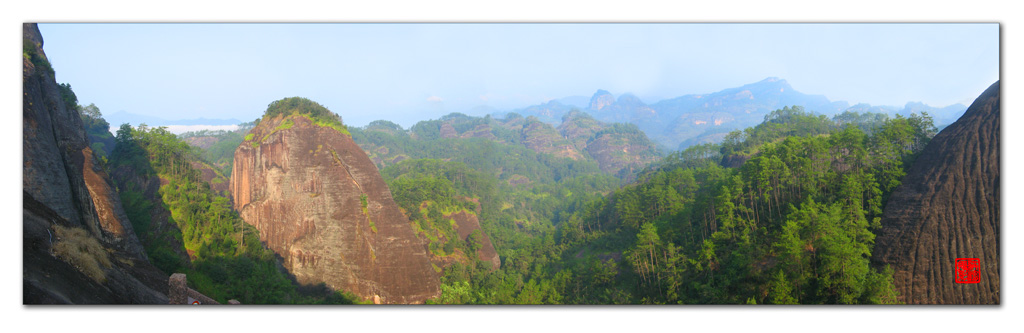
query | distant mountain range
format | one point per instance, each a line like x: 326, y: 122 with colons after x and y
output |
x: 679, y: 122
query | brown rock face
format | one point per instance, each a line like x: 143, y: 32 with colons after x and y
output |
x: 63, y: 186
x: 467, y: 223
x: 447, y: 131
x: 303, y: 187
x: 948, y: 208
x: 480, y: 131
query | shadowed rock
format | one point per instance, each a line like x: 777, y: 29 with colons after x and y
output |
x: 64, y: 190
x: 948, y: 208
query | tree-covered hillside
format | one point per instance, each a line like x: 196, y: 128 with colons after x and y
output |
x: 782, y: 212
x: 188, y: 228
x: 793, y: 222
x: 513, y: 146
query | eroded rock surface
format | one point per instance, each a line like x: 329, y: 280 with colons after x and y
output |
x: 467, y: 223
x: 63, y: 187
x: 948, y: 208
x: 304, y: 187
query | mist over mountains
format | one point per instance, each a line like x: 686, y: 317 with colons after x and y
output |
x: 674, y: 123
x: 121, y: 117
x: 679, y: 122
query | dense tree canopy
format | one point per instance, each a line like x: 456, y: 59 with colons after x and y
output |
x: 320, y: 115
x: 780, y: 213
x: 793, y: 223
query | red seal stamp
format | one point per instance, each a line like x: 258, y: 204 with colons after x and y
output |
x: 968, y: 270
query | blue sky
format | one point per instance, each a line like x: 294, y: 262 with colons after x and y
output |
x: 411, y: 72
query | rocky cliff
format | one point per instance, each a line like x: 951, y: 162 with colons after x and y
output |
x: 467, y: 223
x: 321, y: 204
x: 948, y: 208
x: 78, y: 245
x: 618, y: 148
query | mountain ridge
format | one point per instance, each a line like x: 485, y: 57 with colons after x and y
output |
x: 678, y: 122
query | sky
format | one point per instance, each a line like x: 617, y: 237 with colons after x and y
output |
x: 411, y: 72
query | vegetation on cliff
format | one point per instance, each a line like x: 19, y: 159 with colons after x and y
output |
x: 97, y: 128
x: 425, y: 191
x: 301, y: 106
x: 225, y: 259
x: 28, y: 51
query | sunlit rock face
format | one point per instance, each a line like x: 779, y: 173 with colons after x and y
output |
x: 320, y: 204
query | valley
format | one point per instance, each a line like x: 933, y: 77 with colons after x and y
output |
x: 758, y: 194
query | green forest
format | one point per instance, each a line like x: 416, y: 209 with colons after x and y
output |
x: 780, y: 213
x: 792, y: 222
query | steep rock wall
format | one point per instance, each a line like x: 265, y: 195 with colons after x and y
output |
x: 63, y: 186
x: 467, y: 223
x: 303, y: 187
x: 948, y: 208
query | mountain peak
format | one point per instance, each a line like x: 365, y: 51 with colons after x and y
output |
x: 601, y: 99
x: 771, y: 83
x: 629, y: 99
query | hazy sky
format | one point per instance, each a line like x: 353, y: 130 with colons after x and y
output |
x: 411, y: 72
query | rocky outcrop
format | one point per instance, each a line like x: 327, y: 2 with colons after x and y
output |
x: 579, y: 128
x: 543, y: 138
x: 466, y: 223
x: 322, y: 206
x: 601, y: 99
x: 69, y: 202
x: 621, y: 155
x: 948, y: 208
x: 480, y: 131
x: 617, y: 148
x: 447, y: 131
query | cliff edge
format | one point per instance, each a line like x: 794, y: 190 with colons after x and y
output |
x: 948, y: 208
x: 78, y: 245
x: 322, y: 206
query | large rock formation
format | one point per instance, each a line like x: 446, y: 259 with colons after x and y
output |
x: 948, y: 208
x: 78, y: 245
x: 467, y: 223
x: 618, y: 148
x: 321, y: 204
